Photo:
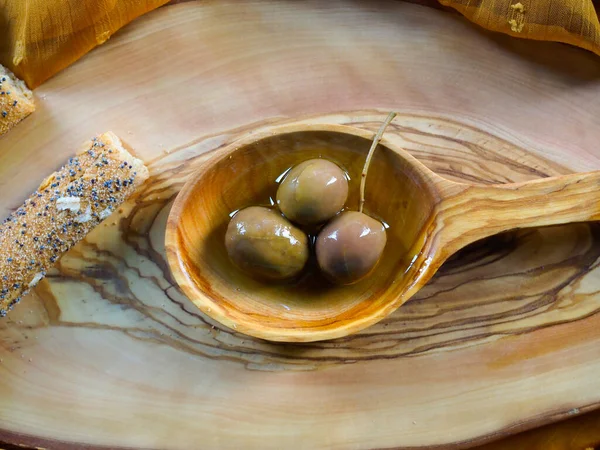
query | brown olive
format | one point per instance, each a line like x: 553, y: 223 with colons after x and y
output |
x: 350, y: 246
x: 266, y: 245
x: 312, y: 192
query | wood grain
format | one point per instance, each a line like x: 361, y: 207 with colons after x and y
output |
x: 465, y: 213
x: 107, y: 353
x: 114, y: 290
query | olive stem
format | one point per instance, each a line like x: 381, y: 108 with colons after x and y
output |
x: 376, y: 140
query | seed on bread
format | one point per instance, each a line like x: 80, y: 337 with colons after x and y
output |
x: 66, y: 206
x: 16, y: 100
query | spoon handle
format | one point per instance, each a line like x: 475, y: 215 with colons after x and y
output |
x: 469, y: 213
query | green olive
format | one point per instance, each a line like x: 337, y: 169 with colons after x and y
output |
x: 264, y: 244
x: 313, y: 192
x: 350, y: 247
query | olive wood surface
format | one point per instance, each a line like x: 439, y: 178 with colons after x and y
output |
x: 108, y: 353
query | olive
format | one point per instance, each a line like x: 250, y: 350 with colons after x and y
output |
x: 313, y: 192
x: 350, y: 246
x: 266, y: 245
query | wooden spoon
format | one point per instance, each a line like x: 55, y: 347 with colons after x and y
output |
x: 429, y: 219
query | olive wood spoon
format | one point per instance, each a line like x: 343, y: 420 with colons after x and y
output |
x: 430, y: 219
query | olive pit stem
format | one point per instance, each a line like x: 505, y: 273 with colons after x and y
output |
x: 363, y: 175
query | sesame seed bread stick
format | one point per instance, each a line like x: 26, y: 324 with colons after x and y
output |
x: 65, y: 207
x: 16, y: 101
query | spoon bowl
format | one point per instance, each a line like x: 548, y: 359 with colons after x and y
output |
x: 427, y: 218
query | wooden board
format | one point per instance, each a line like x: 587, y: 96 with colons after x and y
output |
x: 108, y: 353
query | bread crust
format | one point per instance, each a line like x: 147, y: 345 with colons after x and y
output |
x: 16, y: 100
x: 67, y: 205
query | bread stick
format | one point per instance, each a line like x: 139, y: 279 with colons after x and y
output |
x: 65, y: 207
x: 16, y: 101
